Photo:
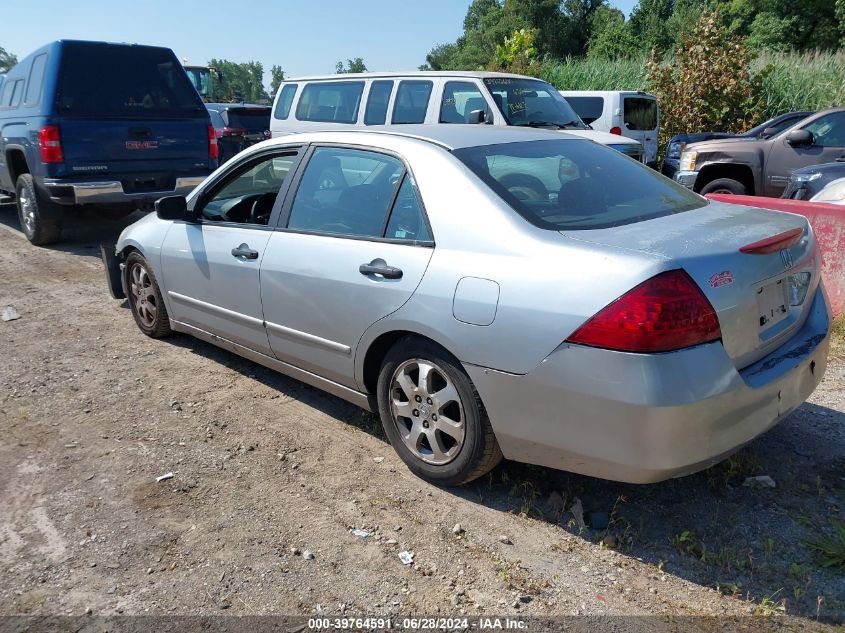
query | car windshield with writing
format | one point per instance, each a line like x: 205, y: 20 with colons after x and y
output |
x: 532, y: 103
x: 571, y: 184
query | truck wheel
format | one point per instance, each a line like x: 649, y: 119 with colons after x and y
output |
x: 41, y: 219
x: 433, y: 415
x: 144, y: 296
x: 724, y: 185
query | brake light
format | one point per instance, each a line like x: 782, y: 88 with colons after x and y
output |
x: 616, y: 130
x: 50, y: 144
x: 665, y: 313
x: 213, y: 150
x: 775, y: 243
x: 232, y: 131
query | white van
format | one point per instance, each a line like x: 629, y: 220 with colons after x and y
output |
x: 633, y: 114
x: 431, y: 97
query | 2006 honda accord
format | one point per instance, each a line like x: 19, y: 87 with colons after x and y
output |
x: 494, y: 292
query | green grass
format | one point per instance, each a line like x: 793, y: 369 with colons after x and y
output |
x: 581, y: 73
x: 830, y: 548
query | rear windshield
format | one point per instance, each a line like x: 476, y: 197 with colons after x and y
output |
x: 588, y: 108
x: 570, y: 185
x: 126, y: 82
x: 250, y: 119
x: 640, y: 113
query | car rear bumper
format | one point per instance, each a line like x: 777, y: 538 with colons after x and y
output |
x: 686, y: 178
x: 642, y: 418
x: 112, y: 191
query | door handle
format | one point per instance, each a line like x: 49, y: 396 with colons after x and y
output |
x: 245, y: 252
x: 380, y: 267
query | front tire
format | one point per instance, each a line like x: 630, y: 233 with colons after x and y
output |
x: 724, y: 185
x: 433, y: 416
x: 144, y: 296
x: 40, y: 218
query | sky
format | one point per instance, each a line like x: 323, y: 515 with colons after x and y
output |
x: 302, y: 37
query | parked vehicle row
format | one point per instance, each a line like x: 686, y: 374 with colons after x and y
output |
x: 493, y: 291
x: 358, y: 101
x: 762, y: 166
x: 238, y: 126
x: 69, y: 138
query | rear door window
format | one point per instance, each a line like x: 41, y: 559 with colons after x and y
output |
x: 411, y: 101
x: 126, y: 82
x: 36, y: 80
x: 640, y: 113
x: 330, y: 101
x: 346, y: 192
x: 285, y: 100
x: 460, y: 98
x: 588, y: 108
x: 376, y: 113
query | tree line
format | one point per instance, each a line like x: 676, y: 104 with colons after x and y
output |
x: 592, y: 28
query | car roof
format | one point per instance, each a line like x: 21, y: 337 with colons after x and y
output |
x: 416, y: 74
x: 450, y: 137
x: 239, y: 104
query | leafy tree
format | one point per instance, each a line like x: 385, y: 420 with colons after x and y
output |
x: 356, y: 65
x: 7, y: 60
x: 650, y: 24
x: 517, y: 54
x: 277, y: 76
x: 611, y: 37
x: 241, y: 81
x: 805, y: 24
x: 707, y: 85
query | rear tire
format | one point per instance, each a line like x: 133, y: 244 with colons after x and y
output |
x: 144, y: 297
x: 726, y: 186
x: 40, y: 218
x: 433, y: 416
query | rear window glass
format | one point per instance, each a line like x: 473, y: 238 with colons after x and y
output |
x: 17, y: 95
x: 6, y: 98
x: 569, y: 185
x: 36, y: 79
x: 250, y: 119
x: 285, y: 101
x: 126, y: 82
x: 216, y: 119
x: 330, y: 102
x: 640, y: 113
x: 411, y: 102
x: 588, y: 108
x: 376, y: 112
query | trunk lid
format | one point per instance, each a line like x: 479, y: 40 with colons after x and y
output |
x: 749, y: 291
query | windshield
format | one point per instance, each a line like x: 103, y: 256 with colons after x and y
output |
x: 568, y: 185
x: 531, y: 102
x: 127, y: 82
x: 776, y: 126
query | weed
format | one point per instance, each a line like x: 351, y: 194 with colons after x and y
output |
x: 727, y: 558
x: 768, y: 607
x: 829, y: 548
x: 733, y: 470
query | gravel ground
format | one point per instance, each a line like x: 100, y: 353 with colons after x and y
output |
x: 270, y: 475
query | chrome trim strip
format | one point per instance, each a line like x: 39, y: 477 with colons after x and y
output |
x: 210, y: 307
x: 309, y: 338
x: 350, y: 395
x: 112, y: 190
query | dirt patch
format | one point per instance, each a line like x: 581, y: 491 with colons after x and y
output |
x: 265, y: 468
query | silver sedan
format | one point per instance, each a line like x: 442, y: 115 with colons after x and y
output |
x: 493, y: 292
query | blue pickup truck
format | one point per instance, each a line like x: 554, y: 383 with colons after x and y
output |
x: 115, y: 126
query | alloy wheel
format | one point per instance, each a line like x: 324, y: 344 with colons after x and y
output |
x: 427, y: 411
x: 27, y: 210
x: 144, y: 299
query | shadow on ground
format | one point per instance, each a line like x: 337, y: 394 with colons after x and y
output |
x: 83, y: 230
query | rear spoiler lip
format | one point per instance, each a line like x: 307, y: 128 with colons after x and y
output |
x: 775, y: 243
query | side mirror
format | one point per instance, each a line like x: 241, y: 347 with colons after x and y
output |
x: 173, y: 208
x: 799, y: 138
x: 478, y: 116
x: 769, y: 132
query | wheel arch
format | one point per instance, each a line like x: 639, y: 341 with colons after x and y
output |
x: 375, y: 344
x: 736, y: 171
x: 16, y: 162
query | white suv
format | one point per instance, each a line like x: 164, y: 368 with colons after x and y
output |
x: 433, y: 97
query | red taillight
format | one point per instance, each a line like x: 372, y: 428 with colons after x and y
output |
x: 616, y: 130
x: 232, y: 131
x: 665, y: 313
x: 50, y: 144
x: 774, y: 243
x: 213, y: 150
